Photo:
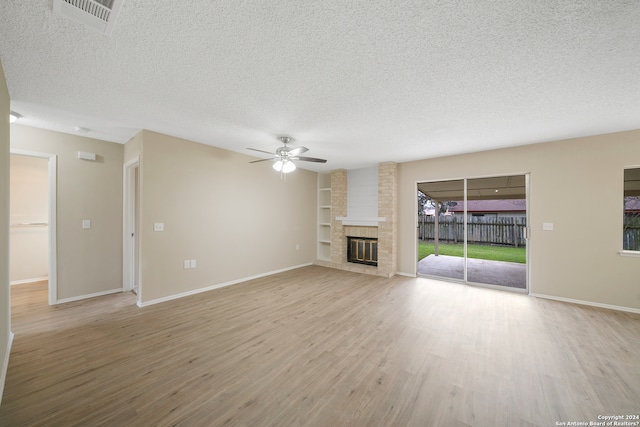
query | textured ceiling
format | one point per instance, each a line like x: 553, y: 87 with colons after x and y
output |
x: 358, y: 82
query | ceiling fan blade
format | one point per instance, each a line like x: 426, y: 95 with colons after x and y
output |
x: 296, y: 151
x: 261, y: 151
x: 261, y: 160
x: 311, y: 159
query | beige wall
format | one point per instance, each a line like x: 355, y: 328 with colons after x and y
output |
x: 29, y: 203
x: 89, y: 261
x: 575, y: 184
x: 5, y: 306
x: 236, y: 219
x: 133, y: 147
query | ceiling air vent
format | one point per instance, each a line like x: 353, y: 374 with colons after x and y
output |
x: 97, y: 14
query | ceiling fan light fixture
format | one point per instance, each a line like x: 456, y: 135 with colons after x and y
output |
x: 284, y: 166
x: 288, y: 166
x: 284, y: 155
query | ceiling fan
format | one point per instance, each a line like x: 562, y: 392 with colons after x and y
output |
x: 285, y: 155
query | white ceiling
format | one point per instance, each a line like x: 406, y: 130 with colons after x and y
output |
x: 358, y: 82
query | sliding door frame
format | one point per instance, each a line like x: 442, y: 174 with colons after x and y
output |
x: 527, y: 233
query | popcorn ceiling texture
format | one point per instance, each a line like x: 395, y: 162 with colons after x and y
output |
x: 358, y: 82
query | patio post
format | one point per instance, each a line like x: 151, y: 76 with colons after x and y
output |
x: 436, y: 227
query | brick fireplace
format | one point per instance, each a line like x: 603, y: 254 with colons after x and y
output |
x: 385, y: 230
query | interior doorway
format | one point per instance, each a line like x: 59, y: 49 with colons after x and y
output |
x: 33, y: 219
x: 131, y: 221
x: 474, y: 230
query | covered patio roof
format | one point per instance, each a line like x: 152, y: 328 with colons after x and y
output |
x: 494, y: 188
x: 632, y: 182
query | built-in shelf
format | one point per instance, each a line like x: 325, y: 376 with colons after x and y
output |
x: 324, y: 197
x: 324, y: 233
x: 324, y: 216
x: 324, y: 251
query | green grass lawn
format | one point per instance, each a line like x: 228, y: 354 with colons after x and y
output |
x: 493, y: 253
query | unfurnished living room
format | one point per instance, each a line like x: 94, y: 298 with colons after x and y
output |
x: 334, y: 213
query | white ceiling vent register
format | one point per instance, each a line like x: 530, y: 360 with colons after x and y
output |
x: 99, y: 15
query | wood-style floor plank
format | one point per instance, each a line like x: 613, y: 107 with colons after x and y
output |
x: 319, y: 347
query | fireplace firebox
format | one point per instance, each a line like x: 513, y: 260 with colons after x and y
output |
x: 362, y: 250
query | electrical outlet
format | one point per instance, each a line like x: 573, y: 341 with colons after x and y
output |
x: 193, y: 263
x: 186, y: 263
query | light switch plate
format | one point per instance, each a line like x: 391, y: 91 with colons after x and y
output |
x: 158, y: 226
x: 547, y: 226
x: 193, y: 263
x: 86, y: 223
x: 186, y: 264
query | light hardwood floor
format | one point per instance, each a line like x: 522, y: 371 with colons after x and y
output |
x: 320, y: 347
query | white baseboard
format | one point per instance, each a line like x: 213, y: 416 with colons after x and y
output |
x: 590, y: 303
x: 5, y: 365
x: 219, y: 285
x: 97, y: 294
x: 400, y: 273
x: 34, y: 280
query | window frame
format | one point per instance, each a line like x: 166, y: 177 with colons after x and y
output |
x: 627, y: 252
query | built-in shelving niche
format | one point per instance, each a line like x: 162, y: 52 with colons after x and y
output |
x: 324, y: 216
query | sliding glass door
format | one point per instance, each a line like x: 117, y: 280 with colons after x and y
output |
x: 440, y: 230
x: 473, y: 230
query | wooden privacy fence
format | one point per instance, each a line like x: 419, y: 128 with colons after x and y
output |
x: 631, y: 233
x: 508, y: 231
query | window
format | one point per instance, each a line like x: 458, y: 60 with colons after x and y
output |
x: 631, y: 220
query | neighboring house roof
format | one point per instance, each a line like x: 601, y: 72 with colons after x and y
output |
x: 632, y: 205
x: 518, y: 205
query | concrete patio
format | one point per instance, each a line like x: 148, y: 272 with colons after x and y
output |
x: 509, y: 274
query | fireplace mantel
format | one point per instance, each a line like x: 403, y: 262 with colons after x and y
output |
x: 364, y: 222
